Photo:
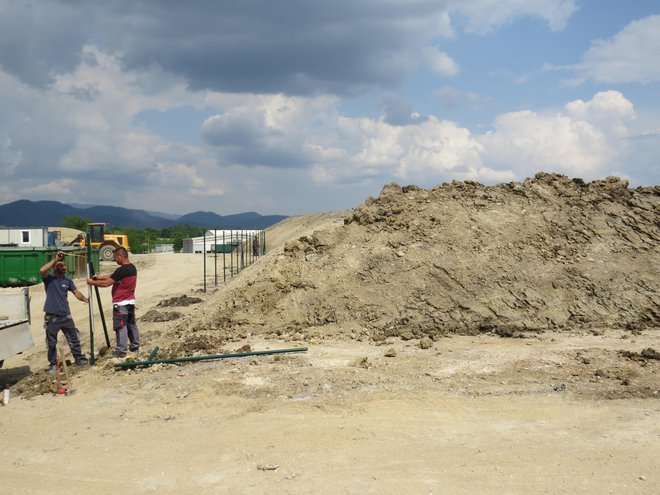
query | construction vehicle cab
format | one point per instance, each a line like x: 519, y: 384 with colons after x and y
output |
x: 106, y: 243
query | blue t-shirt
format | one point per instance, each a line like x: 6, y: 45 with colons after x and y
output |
x: 56, y: 295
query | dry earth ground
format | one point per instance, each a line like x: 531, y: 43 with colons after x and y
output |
x: 364, y: 410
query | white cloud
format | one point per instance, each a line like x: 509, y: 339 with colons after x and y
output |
x: 485, y: 15
x: 81, y: 129
x: 9, y: 157
x: 586, y: 141
x: 184, y: 179
x: 283, y: 131
x: 610, y: 111
x: 528, y: 142
x: 58, y: 188
x: 630, y: 56
x: 439, y: 62
x: 434, y: 149
x: 418, y: 153
x: 273, y: 130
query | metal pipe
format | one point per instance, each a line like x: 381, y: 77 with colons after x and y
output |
x: 105, y: 327
x: 151, y: 357
x: 206, y: 358
x: 153, y: 354
x: 90, y: 297
x: 215, y: 254
x: 98, y: 300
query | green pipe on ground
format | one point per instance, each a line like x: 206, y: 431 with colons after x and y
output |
x: 153, y: 354
x: 151, y: 357
x: 205, y: 358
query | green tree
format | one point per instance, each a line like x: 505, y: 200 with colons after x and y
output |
x: 77, y: 222
x: 136, y: 239
x: 178, y: 244
x: 151, y: 237
x: 180, y: 232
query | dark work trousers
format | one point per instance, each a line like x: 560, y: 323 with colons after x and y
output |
x: 123, y: 322
x: 52, y: 325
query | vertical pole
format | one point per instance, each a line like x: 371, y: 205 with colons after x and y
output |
x: 242, y: 264
x: 90, y: 269
x: 204, y: 256
x: 91, y: 272
x: 224, y: 261
x: 231, y: 254
x: 215, y: 255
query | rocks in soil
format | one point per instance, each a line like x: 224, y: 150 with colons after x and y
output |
x: 648, y: 353
x: 158, y: 316
x: 183, y: 300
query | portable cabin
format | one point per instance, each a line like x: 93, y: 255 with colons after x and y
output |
x: 24, y: 236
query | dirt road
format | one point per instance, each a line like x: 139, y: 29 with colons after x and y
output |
x: 341, y: 418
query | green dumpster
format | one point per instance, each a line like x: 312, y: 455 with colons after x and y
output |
x: 225, y: 248
x: 19, y: 266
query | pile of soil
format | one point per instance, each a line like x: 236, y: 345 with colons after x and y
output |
x: 547, y: 254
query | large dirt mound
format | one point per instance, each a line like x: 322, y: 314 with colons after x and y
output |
x: 549, y: 253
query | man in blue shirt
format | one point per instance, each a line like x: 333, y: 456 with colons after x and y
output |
x: 58, y: 315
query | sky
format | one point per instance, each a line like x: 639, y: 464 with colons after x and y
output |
x: 304, y: 106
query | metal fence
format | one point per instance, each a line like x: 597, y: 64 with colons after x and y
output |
x: 231, y: 251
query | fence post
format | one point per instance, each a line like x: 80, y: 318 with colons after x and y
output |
x: 215, y: 254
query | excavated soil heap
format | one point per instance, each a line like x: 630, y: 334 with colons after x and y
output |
x: 547, y: 254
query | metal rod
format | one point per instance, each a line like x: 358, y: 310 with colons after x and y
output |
x: 90, y: 297
x: 105, y: 327
x: 231, y: 255
x: 204, y: 256
x: 215, y: 254
x: 151, y: 357
x: 206, y: 358
x: 153, y: 354
x: 242, y: 263
x: 98, y: 299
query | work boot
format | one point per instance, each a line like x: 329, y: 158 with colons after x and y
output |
x: 52, y: 368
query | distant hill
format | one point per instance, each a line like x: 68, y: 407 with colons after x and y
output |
x: 25, y: 213
x: 249, y: 220
x: 169, y: 216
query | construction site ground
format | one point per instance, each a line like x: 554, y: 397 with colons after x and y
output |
x: 499, y: 359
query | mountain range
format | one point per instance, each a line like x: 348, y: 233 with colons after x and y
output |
x: 25, y: 213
